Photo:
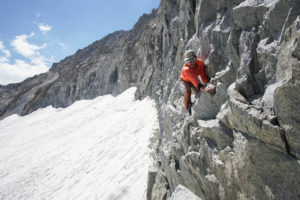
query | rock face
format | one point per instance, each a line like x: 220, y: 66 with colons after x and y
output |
x: 181, y: 193
x: 242, y: 142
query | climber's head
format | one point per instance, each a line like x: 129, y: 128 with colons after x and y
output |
x: 190, y: 58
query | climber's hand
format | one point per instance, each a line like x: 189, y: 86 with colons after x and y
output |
x: 209, y: 89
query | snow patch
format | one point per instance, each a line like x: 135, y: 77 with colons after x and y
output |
x: 94, y: 149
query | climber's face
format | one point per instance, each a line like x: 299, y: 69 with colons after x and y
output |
x: 191, y: 62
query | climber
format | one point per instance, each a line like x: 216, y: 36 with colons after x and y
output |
x: 193, y: 78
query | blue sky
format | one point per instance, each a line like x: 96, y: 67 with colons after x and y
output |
x: 36, y: 33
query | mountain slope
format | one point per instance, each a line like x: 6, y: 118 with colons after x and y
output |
x: 104, y: 67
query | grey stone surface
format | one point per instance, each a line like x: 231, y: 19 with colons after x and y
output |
x: 182, y: 193
x: 250, y: 13
x: 287, y: 94
x: 152, y: 173
x: 240, y: 143
x: 159, y: 190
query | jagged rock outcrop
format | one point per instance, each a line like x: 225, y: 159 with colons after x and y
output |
x: 242, y: 142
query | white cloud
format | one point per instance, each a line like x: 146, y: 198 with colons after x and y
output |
x: 3, y: 58
x: 21, y: 69
x: 23, y: 47
x: 38, y: 14
x: 62, y: 45
x: 45, y: 28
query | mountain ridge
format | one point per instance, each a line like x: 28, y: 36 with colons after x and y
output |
x: 67, y: 71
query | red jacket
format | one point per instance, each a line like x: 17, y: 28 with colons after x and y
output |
x: 194, y: 75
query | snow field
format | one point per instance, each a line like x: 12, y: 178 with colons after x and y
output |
x: 93, y: 149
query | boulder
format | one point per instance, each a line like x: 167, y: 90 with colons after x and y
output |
x: 182, y: 193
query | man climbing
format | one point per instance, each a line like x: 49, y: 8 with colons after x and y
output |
x: 193, y: 78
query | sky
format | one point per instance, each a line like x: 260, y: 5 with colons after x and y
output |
x: 36, y: 33
x: 45, y: 155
